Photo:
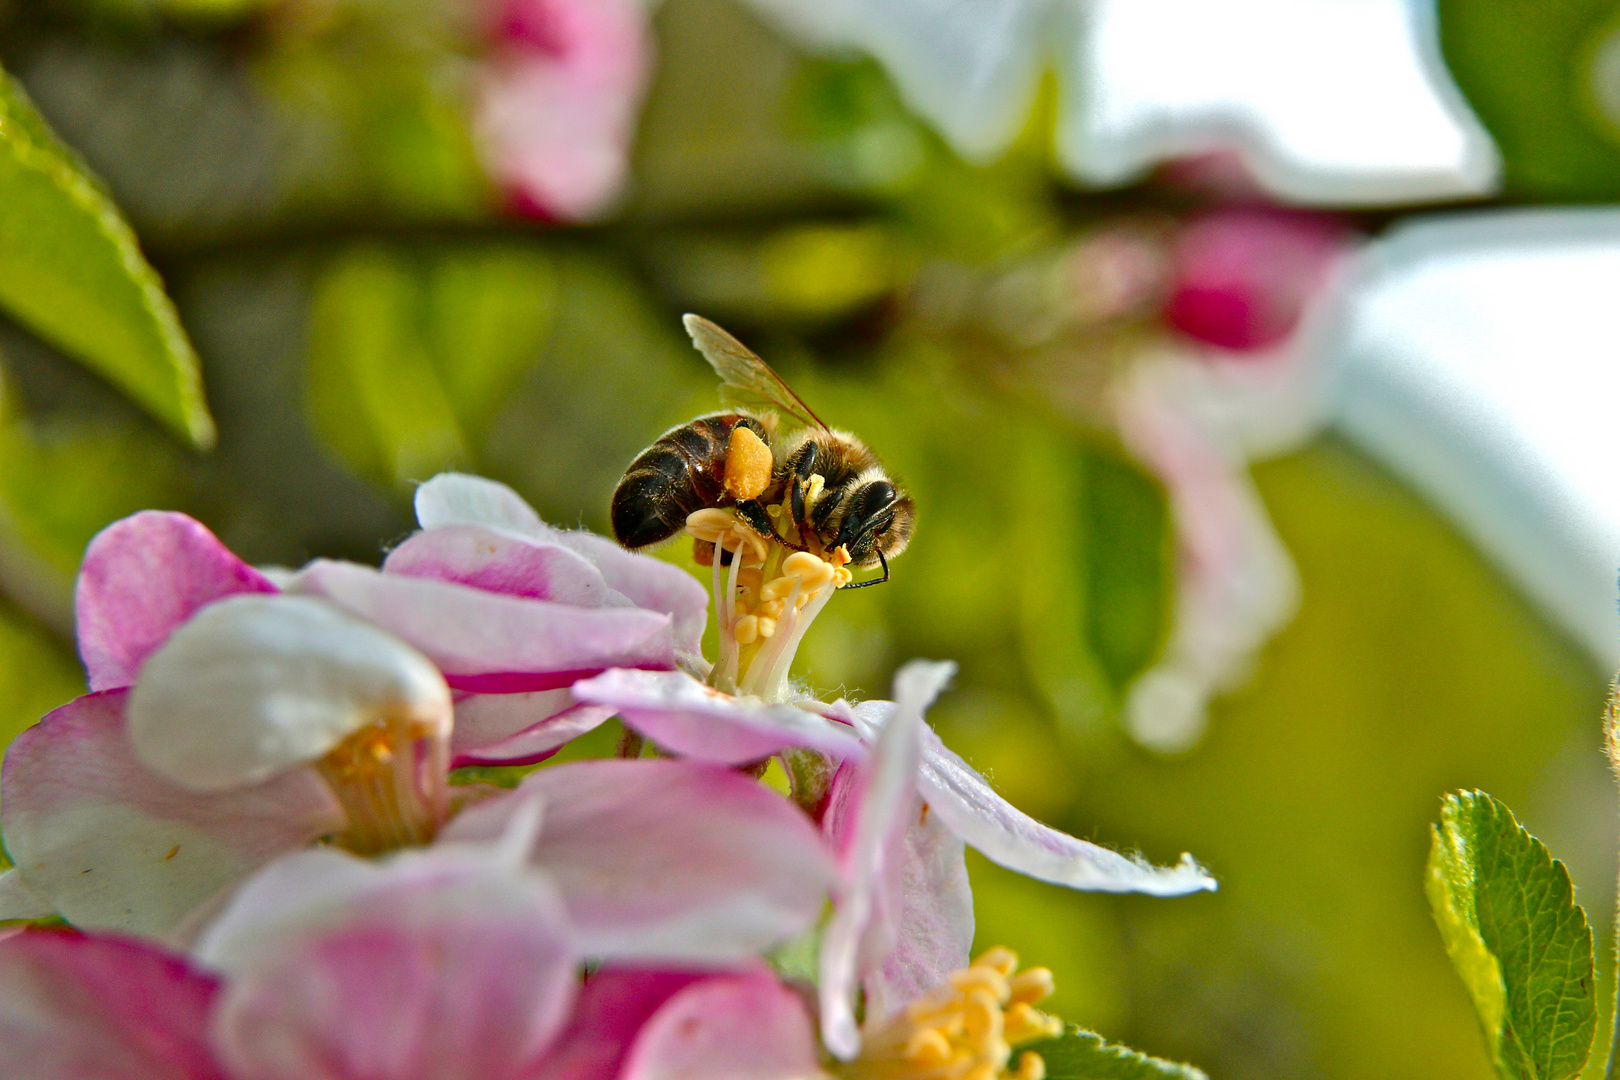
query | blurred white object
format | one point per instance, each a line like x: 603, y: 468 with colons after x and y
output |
x: 1331, y: 102
x: 1481, y: 361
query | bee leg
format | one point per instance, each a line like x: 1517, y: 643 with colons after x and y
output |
x: 757, y: 519
x: 803, y: 468
x: 874, y: 581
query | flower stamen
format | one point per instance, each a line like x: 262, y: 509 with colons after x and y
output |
x: 390, y: 777
x: 966, y: 1029
x: 764, y: 604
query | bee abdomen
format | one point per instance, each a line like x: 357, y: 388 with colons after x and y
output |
x: 680, y: 473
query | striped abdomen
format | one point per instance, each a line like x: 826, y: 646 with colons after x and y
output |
x: 683, y: 471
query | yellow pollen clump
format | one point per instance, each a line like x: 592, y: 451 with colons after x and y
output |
x: 966, y: 1029
x: 748, y: 465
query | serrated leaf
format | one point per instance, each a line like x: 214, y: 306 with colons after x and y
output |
x: 72, y: 271
x: 1078, y: 1054
x: 1507, y: 912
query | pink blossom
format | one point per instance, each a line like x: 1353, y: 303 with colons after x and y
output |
x: 201, y: 755
x: 456, y: 963
x: 900, y: 808
x: 1242, y: 276
x: 558, y: 99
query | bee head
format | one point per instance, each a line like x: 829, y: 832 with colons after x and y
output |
x: 879, y: 518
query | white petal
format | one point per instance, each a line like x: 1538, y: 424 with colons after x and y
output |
x: 1333, y: 101
x: 254, y: 685
x: 459, y: 499
x: 1001, y: 832
x: 1478, y: 364
x: 18, y: 901
x: 969, y: 66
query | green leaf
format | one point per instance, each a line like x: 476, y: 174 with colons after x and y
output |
x: 1078, y: 1054
x: 411, y: 354
x: 71, y: 269
x: 1507, y: 913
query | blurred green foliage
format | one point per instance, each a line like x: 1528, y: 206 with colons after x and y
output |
x: 1538, y: 74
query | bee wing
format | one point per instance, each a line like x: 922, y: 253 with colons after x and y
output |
x: 746, y: 379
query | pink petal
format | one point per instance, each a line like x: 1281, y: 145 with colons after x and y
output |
x: 731, y: 1027
x: 500, y: 563
x: 668, y: 860
x: 558, y: 104
x: 613, y: 1005
x: 685, y: 717
x: 647, y: 582
x: 867, y: 818
x: 110, y: 844
x: 1001, y: 832
x: 142, y: 577
x: 436, y: 967
x: 519, y: 729
x: 74, y: 1007
x: 928, y: 906
x: 458, y: 499
x: 490, y: 643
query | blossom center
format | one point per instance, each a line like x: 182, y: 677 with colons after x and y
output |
x: 965, y: 1029
x: 765, y: 599
x: 390, y: 777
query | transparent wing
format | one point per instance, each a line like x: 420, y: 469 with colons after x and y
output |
x: 745, y: 379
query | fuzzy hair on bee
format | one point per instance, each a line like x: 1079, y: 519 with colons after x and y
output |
x: 832, y: 491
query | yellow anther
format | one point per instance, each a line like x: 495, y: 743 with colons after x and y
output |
x: 1031, y: 1066
x: 710, y: 523
x: 966, y: 1028
x: 771, y: 609
x: 999, y: 958
x: 746, y: 630
x: 839, y: 557
x: 750, y: 578
x: 767, y: 627
x: 777, y: 588
x: 989, y: 979
x: 928, y: 1048
x: 813, y: 571
x: 748, y: 465
x: 1032, y: 985
x: 1024, y: 1022
x: 842, y: 577
x: 983, y: 1016
x: 717, y: 526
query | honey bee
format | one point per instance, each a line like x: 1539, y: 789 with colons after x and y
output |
x: 768, y: 450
